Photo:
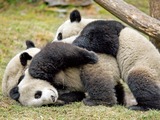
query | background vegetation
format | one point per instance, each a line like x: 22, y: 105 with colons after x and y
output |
x: 21, y: 20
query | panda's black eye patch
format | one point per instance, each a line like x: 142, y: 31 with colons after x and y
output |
x: 59, y: 37
x: 38, y: 94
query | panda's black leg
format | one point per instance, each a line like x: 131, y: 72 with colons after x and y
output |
x: 138, y: 107
x: 100, y: 90
x: 120, y: 94
x: 68, y: 97
x: 145, y: 89
x: 82, y: 57
x: 95, y: 102
x: 73, y: 96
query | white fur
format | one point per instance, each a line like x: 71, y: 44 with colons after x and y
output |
x: 135, y: 51
x: 28, y: 87
x: 70, y: 77
x: 14, y: 70
x: 68, y: 40
x: 69, y: 28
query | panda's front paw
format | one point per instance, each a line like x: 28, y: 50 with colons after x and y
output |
x: 59, y: 103
x: 138, y: 108
x: 92, y: 57
x: 89, y: 102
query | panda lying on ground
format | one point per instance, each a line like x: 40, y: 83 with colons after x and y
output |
x: 17, y: 66
x: 137, y: 57
x: 65, y: 67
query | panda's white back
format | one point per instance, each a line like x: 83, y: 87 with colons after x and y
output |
x: 135, y: 50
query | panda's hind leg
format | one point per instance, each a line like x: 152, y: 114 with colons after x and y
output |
x: 120, y: 93
x: 146, y: 90
x: 100, y: 89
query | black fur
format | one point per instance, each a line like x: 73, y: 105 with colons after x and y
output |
x: 75, y: 16
x: 120, y: 94
x: 100, y: 88
x: 14, y: 93
x: 148, y: 95
x: 24, y: 57
x: 29, y: 44
x: 74, y: 96
x: 59, y: 37
x: 68, y: 98
x: 101, y: 37
x: 57, y: 56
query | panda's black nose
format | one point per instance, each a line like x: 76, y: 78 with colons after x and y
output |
x: 59, y: 37
x: 53, y: 98
x: 14, y: 93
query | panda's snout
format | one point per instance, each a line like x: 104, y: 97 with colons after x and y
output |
x: 53, y: 98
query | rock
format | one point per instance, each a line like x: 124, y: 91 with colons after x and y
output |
x: 68, y: 2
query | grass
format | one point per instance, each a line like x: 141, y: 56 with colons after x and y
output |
x: 23, y: 21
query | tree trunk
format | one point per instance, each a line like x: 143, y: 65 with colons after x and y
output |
x: 155, y: 12
x: 132, y: 16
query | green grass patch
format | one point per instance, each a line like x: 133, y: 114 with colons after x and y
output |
x: 143, y: 5
x: 23, y: 21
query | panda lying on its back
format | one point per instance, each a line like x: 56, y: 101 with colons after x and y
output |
x: 62, y: 65
x: 138, y: 59
x: 17, y: 66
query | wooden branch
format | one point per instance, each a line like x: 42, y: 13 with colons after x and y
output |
x: 132, y: 16
x: 155, y: 13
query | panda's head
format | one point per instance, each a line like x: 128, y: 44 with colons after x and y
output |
x: 33, y: 92
x: 16, y: 67
x: 72, y: 27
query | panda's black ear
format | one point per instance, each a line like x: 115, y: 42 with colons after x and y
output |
x: 14, y: 93
x: 24, y: 57
x: 29, y: 44
x: 75, y: 16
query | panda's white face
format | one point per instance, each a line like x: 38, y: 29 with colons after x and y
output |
x: 16, y: 68
x: 35, y: 92
x: 69, y: 39
x: 68, y: 29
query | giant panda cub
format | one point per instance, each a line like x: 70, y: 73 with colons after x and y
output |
x: 16, y: 67
x: 137, y: 57
x: 66, y: 67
